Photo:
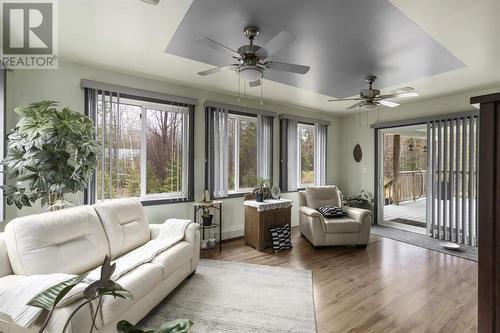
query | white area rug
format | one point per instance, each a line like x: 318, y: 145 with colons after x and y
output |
x: 234, y: 297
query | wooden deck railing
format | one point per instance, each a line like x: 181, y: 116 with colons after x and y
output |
x: 412, y: 185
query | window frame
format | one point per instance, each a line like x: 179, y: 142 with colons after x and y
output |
x: 236, y: 191
x: 186, y: 193
x: 299, y: 154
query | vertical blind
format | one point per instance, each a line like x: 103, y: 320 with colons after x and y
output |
x: 452, y: 181
x: 217, y: 146
x: 217, y: 154
x: 290, y: 151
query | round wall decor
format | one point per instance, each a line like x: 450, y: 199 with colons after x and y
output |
x: 357, y: 153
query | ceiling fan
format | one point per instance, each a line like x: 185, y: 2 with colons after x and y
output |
x: 253, y: 59
x: 370, y: 98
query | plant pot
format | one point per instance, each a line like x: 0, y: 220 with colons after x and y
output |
x: 259, y: 197
x: 207, y: 220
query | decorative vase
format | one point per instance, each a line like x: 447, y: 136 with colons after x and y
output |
x: 276, y: 192
x: 207, y: 220
x: 259, y: 197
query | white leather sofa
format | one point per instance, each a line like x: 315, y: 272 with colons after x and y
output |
x: 76, y: 240
x: 353, y: 229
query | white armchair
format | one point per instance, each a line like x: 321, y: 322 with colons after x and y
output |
x: 353, y: 229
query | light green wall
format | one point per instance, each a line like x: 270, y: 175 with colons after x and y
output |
x: 355, y: 177
x: 63, y: 85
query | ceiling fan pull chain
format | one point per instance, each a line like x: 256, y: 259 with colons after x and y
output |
x: 239, y: 86
x: 261, y: 89
x: 245, y: 93
x: 378, y: 113
x: 359, y: 117
x: 367, y: 121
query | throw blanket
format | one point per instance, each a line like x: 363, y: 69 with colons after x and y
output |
x: 15, y: 296
x: 172, y: 232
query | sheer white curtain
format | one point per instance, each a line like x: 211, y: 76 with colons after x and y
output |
x: 291, y: 154
x: 320, y: 154
x: 218, y: 151
x: 264, y: 147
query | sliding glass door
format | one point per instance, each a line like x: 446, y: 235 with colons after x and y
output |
x: 427, y: 176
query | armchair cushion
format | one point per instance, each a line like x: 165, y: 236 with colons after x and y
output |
x: 341, y: 225
x: 317, y: 196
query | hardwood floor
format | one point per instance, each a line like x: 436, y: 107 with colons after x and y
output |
x: 388, y: 287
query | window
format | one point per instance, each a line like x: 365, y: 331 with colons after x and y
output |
x: 144, y: 149
x: 242, y: 153
x: 305, y: 162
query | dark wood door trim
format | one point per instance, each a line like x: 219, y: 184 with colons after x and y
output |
x: 489, y: 219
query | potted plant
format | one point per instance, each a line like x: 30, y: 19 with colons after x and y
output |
x: 262, y: 190
x: 51, y: 153
x: 363, y: 200
x: 207, y: 217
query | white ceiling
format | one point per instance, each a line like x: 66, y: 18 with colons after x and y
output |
x: 131, y: 36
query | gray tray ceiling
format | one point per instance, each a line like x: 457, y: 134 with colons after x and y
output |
x: 342, y: 41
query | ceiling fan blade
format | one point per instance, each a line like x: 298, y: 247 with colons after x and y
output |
x: 401, y: 94
x: 292, y: 68
x: 218, y: 69
x: 345, y: 99
x: 388, y: 103
x: 255, y: 83
x: 359, y: 104
x: 218, y: 47
x: 274, y: 45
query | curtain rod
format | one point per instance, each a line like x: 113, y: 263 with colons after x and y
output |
x: 239, y: 108
x: 304, y: 119
x: 136, y: 92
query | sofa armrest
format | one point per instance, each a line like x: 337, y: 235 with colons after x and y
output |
x: 154, y: 230
x: 357, y: 214
x: 310, y: 211
x: 191, y: 232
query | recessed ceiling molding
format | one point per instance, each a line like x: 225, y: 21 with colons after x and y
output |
x: 349, y: 39
x: 238, y: 108
x: 137, y: 92
x: 304, y: 119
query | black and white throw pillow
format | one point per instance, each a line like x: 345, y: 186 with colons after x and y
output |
x: 331, y: 211
x: 281, y: 238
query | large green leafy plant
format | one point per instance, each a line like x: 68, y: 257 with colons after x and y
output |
x: 51, y: 152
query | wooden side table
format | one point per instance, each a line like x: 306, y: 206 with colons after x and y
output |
x: 260, y: 218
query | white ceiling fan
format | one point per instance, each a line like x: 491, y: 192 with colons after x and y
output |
x: 370, y: 98
x: 253, y: 60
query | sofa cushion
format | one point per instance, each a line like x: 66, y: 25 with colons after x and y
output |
x: 342, y: 225
x: 139, y: 282
x: 173, y: 258
x: 70, y: 240
x: 125, y: 224
x: 317, y: 196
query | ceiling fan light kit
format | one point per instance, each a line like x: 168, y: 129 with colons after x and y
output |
x: 371, y: 98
